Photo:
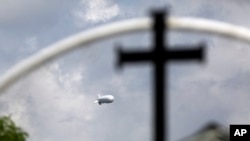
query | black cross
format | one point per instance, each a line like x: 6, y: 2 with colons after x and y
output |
x: 158, y: 56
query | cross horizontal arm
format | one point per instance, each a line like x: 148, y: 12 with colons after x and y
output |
x: 133, y: 57
x: 185, y: 54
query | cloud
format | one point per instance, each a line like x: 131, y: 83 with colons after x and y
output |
x: 32, y: 44
x: 58, y: 110
x: 51, y: 104
x: 95, y: 11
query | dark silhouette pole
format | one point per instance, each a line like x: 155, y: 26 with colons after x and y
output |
x: 158, y: 56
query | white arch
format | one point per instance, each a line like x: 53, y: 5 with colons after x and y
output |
x: 109, y: 30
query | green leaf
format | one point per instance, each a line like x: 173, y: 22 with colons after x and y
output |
x: 10, y: 132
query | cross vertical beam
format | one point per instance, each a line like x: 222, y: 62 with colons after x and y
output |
x: 159, y: 76
x: 158, y: 56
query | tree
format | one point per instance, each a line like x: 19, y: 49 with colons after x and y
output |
x: 9, y: 131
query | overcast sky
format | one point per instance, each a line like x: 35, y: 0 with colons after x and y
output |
x: 56, y: 101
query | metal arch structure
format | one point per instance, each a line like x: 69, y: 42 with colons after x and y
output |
x: 141, y: 24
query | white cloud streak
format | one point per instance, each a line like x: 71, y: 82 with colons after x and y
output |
x: 32, y: 44
x: 95, y: 11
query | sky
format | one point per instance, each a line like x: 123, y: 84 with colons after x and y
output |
x: 55, y: 102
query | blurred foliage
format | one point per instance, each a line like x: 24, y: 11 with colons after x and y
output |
x: 9, y: 131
